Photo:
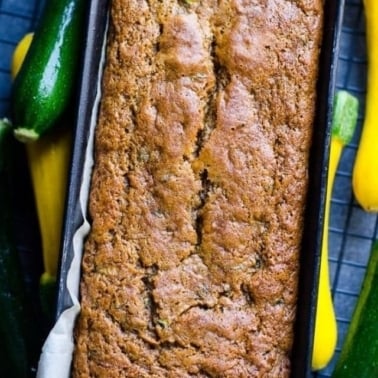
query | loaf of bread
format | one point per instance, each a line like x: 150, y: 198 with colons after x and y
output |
x: 199, y: 189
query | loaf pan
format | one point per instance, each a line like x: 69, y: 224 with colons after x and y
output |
x: 310, y: 256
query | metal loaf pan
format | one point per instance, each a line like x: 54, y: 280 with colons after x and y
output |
x: 310, y: 256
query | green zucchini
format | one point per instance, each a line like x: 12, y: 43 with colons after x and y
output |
x: 14, y: 360
x: 359, y: 354
x: 44, y: 85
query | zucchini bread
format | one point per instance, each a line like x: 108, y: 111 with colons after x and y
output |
x: 199, y: 188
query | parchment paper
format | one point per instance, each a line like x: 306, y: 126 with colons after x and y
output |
x: 56, y: 357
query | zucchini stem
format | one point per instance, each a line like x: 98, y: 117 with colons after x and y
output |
x: 25, y: 135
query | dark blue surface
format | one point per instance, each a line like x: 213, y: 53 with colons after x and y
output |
x: 18, y: 17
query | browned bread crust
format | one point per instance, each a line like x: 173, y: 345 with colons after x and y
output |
x: 198, y: 190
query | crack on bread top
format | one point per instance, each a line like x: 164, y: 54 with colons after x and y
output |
x: 198, y: 189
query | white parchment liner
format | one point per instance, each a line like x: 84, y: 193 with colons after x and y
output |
x: 56, y: 357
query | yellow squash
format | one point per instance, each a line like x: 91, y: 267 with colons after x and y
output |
x: 48, y: 160
x: 365, y: 171
x: 344, y: 120
x: 20, y: 52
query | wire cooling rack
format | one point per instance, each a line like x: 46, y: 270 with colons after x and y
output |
x: 351, y: 229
